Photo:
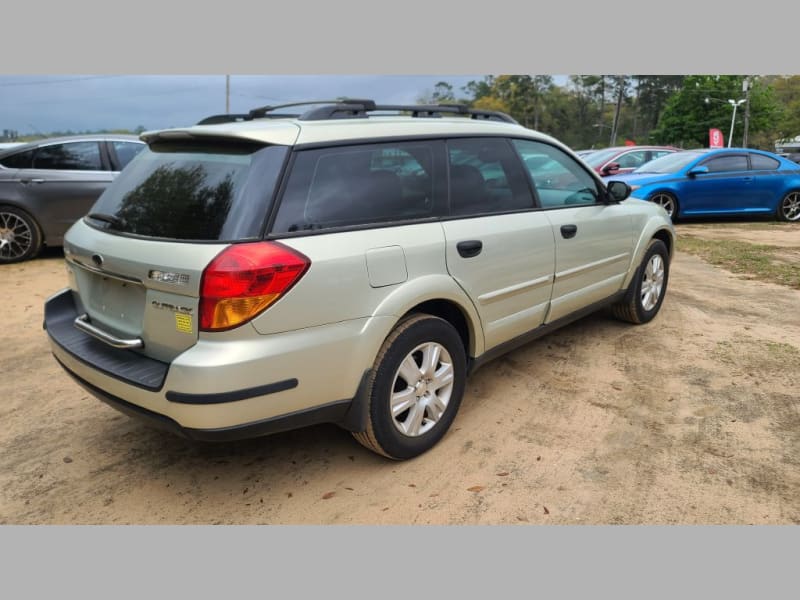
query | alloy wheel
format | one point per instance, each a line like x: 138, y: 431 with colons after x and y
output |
x: 422, y: 388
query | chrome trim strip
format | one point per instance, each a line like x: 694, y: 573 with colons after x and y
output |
x: 81, y: 322
x: 519, y: 287
x: 79, y: 264
x: 590, y: 266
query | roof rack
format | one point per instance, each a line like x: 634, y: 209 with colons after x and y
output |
x: 351, y: 108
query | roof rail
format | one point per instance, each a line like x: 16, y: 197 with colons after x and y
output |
x: 359, y: 108
x: 350, y: 108
x: 264, y: 111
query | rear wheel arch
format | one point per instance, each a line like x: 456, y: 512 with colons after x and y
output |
x: 453, y: 314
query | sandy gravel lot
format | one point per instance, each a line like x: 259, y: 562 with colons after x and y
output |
x: 693, y: 418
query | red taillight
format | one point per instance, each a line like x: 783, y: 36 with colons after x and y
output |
x: 244, y: 279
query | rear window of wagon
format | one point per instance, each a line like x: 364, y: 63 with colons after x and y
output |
x: 193, y: 192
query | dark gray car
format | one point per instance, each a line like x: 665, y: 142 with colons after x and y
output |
x: 47, y: 185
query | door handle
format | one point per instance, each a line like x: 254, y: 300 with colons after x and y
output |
x: 747, y: 179
x: 568, y: 231
x: 469, y: 248
x: 27, y: 181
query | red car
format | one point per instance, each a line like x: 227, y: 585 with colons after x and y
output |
x: 624, y: 159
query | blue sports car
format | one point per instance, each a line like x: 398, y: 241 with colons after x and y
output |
x: 727, y: 181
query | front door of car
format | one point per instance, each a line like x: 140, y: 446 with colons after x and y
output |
x: 64, y: 182
x: 728, y: 186
x: 498, y: 248
x: 593, y: 240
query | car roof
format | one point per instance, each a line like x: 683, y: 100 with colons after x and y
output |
x: 295, y: 131
x: 299, y: 131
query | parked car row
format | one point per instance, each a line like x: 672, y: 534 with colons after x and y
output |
x: 46, y: 186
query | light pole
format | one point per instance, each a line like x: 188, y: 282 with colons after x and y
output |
x: 735, y: 104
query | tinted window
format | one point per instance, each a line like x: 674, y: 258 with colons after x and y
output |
x: 21, y: 160
x: 759, y: 162
x: 126, y: 151
x: 558, y: 178
x: 727, y: 163
x: 670, y: 163
x: 631, y: 160
x: 354, y: 185
x: 193, y: 192
x: 73, y: 156
x: 486, y: 177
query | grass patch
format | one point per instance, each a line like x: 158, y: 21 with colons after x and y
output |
x: 757, y: 261
x: 753, y: 225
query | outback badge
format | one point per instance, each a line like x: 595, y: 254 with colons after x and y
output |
x: 167, y: 277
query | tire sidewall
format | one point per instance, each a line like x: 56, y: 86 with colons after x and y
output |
x: 394, y: 442
x: 655, y: 247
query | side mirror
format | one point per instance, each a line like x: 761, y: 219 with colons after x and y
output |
x: 694, y: 171
x: 611, y: 168
x: 618, y: 190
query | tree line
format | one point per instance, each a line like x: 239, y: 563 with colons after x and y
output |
x: 596, y: 111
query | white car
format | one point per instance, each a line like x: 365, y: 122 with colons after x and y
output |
x: 351, y: 264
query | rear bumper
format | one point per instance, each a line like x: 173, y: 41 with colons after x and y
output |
x: 335, y: 412
x: 227, y: 386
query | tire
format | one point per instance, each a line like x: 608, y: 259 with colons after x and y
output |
x: 646, y: 292
x: 20, y: 237
x: 423, y: 412
x: 789, y: 207
x: 668, y: 202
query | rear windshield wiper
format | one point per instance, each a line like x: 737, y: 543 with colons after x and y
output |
x: 116, y: 222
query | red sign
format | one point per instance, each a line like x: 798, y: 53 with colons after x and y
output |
x: 630, y: 143
x: 715, y: 138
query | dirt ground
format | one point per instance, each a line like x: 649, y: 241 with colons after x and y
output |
x: 692, y: 418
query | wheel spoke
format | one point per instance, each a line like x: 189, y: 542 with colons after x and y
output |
x: 402, y: 401
x: 436, y: 408
x: 430, y: 359
x: 443, y: 377
x: 409, y: 370
x: 413, y: 422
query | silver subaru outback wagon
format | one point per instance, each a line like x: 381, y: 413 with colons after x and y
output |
x: 352, y: 264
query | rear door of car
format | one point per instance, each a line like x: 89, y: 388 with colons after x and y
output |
x: 64, y: 180
x: 593, y: 240
x: 499, y: 249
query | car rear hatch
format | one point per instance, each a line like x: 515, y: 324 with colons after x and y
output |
x: 136, y: 260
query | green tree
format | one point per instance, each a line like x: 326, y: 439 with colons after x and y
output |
x: 702, y: 103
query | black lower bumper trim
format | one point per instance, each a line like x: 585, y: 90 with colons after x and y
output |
x: 262, y: 390
x: 333, y: 412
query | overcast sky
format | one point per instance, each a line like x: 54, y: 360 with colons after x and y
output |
x: 41, y: 103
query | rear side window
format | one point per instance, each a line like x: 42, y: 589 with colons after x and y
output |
x: 193, y: 192
x: 73, y: 156
x: 486, y: 177
x: 759, y: 162
x: 737, y: 162
x: 21, y: 160
x: 356, y: 185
